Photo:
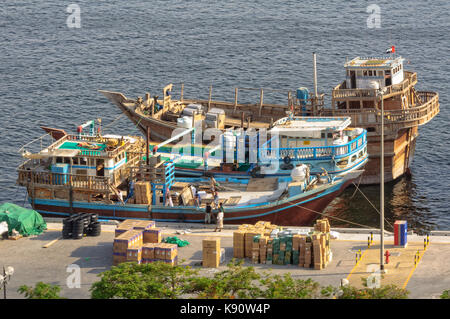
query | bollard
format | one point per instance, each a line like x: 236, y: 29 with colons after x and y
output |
x: 428, y: 239
x: 356, y: 258
x: 371, y: 237
x: 424, y: 244
x: 415, y: 259
x: 368, y: 242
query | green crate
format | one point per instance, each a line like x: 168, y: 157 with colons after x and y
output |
x: 295, y: 257
x: 275, y: 259
x: 287, y: 257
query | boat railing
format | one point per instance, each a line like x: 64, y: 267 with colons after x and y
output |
x: 267, y: 153
x: 408, y: 117
x: 63, y: 180
x: 292, y: 101
x: 341, y: 92
x: 42, y: 142
x: 98, y: 139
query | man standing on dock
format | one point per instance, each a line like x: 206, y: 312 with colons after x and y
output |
x: 220, y: 218
x: 208, y: 214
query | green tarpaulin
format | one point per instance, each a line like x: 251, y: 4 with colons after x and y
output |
x: 26, y: 221
x: 176, y: 240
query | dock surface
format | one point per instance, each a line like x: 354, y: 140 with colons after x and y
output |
x: 46, y: 258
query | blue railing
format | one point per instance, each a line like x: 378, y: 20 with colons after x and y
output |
x: 318, y: 152
x: 169, y: 179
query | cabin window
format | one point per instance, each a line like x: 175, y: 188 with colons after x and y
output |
x: 330, y: 135
x: 66, y: 160
x: 380, y: 73
x: 365, y: 72
x: 59, y: 160
x: 387, y: 72
x: 371, y: 129
x: 360, y: 154
x: 359, y: 73
x: 75, y: 161
x: 370, y: 72
x: 353, y: 158
x: 83, y: 161
x: 322, y: 135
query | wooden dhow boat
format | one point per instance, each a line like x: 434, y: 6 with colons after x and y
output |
x: 369, y: 82
x: 107, y: 175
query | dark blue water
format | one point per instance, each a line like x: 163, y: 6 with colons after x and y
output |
x: 50, y: 74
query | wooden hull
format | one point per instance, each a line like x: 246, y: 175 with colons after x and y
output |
x: 399, y: 154
x: 296, y: 211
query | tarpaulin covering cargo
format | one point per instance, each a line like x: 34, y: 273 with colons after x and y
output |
x: 26, y: 221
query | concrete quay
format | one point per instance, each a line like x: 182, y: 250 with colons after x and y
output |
x: 46, y: 258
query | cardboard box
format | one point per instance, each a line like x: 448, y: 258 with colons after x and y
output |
x: 144, y: 224
x: 239, y: 244
x: 152, y: 235
x: 172, y: 262
x: 119, y: 258
x: 134, y: 254
x: 129, y: 239
x: 211, y: 258
x: 142, y: 193
x: 249, y: 241
x: 255, y: 256
x: 160, y: 253
x: 125, y: 226
x: 148, y: 260
x: 213, y: 243
x: 148, y: 251
x: 171, y: 251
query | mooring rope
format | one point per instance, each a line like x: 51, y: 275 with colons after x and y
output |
x: 379, y: 213
x: 115, y: 120
x: 326, y: 215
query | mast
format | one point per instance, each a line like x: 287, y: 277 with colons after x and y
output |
x: 315, y: 83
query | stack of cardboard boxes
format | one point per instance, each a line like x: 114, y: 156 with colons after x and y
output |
x: 211, y: 252
x: 142, y: 193
x: 127, y: 241
x: 269, y: 244
x: 243, y: 246
x: 152, y: 252
x: 140, y: 241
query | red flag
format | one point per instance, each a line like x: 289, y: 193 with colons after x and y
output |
x: 391, y: 50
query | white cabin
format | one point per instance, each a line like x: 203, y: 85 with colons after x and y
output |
x: 311, y: 131
x: 362, y: 72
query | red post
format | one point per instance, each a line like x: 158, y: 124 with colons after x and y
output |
x: 387, y: 254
